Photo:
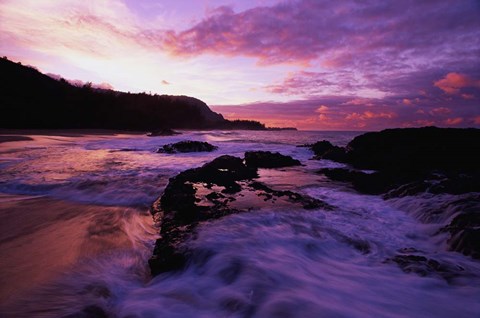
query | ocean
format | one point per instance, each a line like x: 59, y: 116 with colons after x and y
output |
x: 76, y: 235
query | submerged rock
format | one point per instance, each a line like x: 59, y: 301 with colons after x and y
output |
x: 423, y: 266
x: 163, y: 132
x: 267, y: 159
x: 187, y: 146
x: 207, y: 193
x: 367, y: 183
x: 307, y: 202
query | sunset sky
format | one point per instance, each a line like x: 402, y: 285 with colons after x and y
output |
x: 333, y: 65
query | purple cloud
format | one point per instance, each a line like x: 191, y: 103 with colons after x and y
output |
x: 362, y: 34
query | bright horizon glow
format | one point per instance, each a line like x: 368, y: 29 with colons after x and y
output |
x: 314, y: 65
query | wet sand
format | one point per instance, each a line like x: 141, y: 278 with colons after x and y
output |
x: 41, y: 238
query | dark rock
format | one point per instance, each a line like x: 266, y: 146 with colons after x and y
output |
x: 457, y: 184
x: 223, y: 171
x: 307, y: 202
x: 460, y: 184
x: 408, y: 189
x: 420, y: 160
x: 408, y: 160
x: 394, y: 184
x: 417, y: 149
x: 267, y: 159
x: 325, y: 150
x: 182, y: 206
x: 424, y: 266
x: 367, y: 183
x: 14, y: 138
x: 179, y: 212
x: 163, y: 132
x: 321, y: 147
x: 187, y: 146
x: 336, y: 154
x: 464, y: 231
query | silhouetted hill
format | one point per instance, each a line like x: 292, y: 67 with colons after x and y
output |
x: 30, y: 99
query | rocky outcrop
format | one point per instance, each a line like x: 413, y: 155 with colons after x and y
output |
x: 207, y: 193
x: 187, y: 146
x: 408, y: 161
x: 412, y: 150
x: 267, y: 159
x: 425, y: 149
x: 413, y: 161
x: 325, y: 150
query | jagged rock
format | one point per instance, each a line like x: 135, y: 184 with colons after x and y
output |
x: 267, y: 159
x: 187, y: 146
x: 464, y: 229
x: 182, y: 207
x: 163, y: 132
x: 307, y: 202
x: 321, y: 147
x: 408, y: 189
x: 325, y: 150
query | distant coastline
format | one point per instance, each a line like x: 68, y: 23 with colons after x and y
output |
x: 32, y: 100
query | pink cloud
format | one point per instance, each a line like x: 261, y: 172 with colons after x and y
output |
x: 369, y: 115
x: 452, y: 83
x: 164, y: 82
x: 468, y: 96
x: 440, y: 111
x: 323, y: 117
x: 322, y: 109
x: 423, y: 122
x: 453, y: 121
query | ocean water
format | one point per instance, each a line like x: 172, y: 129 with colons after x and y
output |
x: 76, y: 235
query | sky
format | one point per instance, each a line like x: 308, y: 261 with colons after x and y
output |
x: 309, y: 64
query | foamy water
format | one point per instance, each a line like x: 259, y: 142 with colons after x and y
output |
x: 79, y: 235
